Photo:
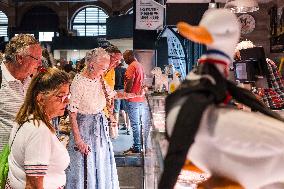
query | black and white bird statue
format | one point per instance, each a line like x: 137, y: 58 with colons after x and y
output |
x: 245, y: 147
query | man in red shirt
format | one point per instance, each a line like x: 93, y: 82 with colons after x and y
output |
x: 136, y: 107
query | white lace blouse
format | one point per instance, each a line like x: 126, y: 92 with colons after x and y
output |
x: 87, y: 95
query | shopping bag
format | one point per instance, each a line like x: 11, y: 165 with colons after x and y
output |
x: 4, y: 167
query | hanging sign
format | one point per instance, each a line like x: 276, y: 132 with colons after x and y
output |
x: 149, y: 15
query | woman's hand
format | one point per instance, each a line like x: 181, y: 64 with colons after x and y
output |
x: 82, y: 146
x: 124, y: 95
x: 112, y: 121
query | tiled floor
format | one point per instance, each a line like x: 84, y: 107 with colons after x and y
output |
x: 130, y: 177
x: 130, y: 172
x: 122, y: 143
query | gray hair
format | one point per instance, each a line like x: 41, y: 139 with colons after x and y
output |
x: 92, y: 56
x: 244, y: 45
x: 19, y: 45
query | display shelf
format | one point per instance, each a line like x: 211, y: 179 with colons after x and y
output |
x: 154, y: 156
x: 153, y: 165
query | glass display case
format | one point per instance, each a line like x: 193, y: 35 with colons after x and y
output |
x: 189, y: 178
x: 158, y: 144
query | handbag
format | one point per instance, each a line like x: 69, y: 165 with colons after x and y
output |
x: 4, y: 166
x: 113, y: 130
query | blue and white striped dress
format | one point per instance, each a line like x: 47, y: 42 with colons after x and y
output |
x: 88, y: 101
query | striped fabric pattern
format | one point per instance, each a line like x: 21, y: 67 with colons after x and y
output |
x: 275, y: 77
x: 274, y: 97
x: 12, y: 93
x: 8, y: 185
x: 36, y: 170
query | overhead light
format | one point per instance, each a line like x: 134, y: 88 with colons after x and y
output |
x: 212, y: 5
x: 242, y: 6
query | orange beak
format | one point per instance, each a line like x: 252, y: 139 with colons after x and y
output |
x: 197, y: 34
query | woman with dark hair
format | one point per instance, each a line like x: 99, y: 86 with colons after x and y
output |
x: 80, y: 65
x: 37, y: 158
x: 46, y: 59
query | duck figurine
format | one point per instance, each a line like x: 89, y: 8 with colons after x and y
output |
x: 202, y: 126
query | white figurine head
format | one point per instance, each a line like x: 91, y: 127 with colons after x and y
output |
x: 218, y: 29
x: 157, y: 71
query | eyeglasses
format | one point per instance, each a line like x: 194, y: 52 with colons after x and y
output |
x: 63, y: 97
x: 37, y: 59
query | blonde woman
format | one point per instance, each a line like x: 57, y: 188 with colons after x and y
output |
x: 90, y: 134
x: 38, y: 159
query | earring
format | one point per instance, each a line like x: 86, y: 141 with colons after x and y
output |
x: 91, y: 68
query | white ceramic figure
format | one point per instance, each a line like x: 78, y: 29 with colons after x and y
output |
x: 173, y: 84
x: 219, y: 30
x: 244, y: 147
x: 161, y: 80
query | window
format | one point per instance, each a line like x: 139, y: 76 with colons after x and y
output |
x: 3, y: 24
x: 26, y: 33
x: 45, y: 36
x: 90, y: 21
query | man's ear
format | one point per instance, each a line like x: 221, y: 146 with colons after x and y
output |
x: 19, y: 59
x: 39, y: 98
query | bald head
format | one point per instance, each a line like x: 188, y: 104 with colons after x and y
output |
x: 129, y: 56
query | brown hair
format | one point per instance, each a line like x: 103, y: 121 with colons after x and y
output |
x: 46, y: 81
x: 46, y: 61
x: 112, y: 49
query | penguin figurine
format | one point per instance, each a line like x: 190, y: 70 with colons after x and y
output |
x: 203, y: 128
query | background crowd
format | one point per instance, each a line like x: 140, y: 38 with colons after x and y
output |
x: 35, y: 92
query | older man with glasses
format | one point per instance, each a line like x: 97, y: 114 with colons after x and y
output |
x: 22, y: 58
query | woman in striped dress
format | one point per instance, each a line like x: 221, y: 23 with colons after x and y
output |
x: 90, y: 136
